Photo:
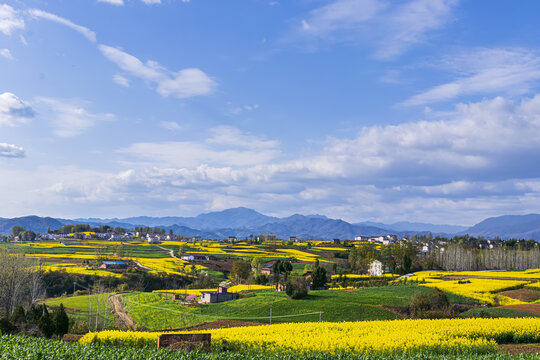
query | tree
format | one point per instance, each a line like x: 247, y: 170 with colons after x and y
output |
x: 281, y: 267
x: 17, y: 230
x: 256, y: 265
x: 296, y: 288
x: 61, y: 321
x: 27, y: 235
x: 361, y: 257
x: 46, y: 325
x: 241, y: 269
x: 286, y: 269
x: 18, y: 316
x: 16, y: 280
x: 318, y: 277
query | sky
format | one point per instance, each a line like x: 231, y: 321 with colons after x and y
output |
x: 379, y: 110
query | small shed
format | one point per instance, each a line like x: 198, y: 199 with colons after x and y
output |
x: 211, y: 297
x: 118, y: 264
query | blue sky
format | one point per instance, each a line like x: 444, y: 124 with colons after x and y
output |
x: 418, y: 110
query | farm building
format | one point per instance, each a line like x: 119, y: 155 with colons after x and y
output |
x: 197, y: 257
x: 211, y: 297
x: 266, y: 270
x: 114, y: 265
x: 375, y: 268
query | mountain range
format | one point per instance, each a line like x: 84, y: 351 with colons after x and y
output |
x: 243, y: 222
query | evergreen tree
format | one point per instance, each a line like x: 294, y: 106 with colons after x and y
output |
x: 46, y: 325
x: 61, y: 321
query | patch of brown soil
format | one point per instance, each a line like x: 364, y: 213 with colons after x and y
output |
x: 519, y: 349
x: 528, y: 308
x: 219, y: 265
x: 71, y: 337
x: 525, y: 294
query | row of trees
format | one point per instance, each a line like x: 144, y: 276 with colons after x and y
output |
x: 460, y: 257
x: 405, y: 256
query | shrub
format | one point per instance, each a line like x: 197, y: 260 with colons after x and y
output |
x: 436, y: 301
x: 6, y: 327
x: 18, y: 316
x: 296, y: 288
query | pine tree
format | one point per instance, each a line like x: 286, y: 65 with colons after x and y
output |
x: 61, y: 321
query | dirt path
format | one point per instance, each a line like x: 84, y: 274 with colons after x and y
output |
x: 171, y: 252
x: 123, y: 319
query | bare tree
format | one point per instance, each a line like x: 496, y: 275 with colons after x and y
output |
x: 19, y: 280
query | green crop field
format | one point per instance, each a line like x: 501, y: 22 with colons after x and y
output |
x: 496, y: 312
x: 329, y: 305
x: 85, y: 308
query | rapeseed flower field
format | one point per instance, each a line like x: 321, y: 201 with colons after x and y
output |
x: 447, y: 336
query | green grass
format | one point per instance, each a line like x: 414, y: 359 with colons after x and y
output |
x: 496, y: 312
x: 79, y: 308
x: 335, y: 305
x: 20, y: 347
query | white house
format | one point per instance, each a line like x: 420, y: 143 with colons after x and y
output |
x: 375, y: 268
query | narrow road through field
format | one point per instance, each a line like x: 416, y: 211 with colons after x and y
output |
x: 171, y: 252
x: 122, y: 316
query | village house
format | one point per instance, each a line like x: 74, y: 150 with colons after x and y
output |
x: 375, y: 268
x: 266, y: 270
x: 197, y: 257
x: 221, y: 295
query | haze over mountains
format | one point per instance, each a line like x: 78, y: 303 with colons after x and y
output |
x: 243, y: 222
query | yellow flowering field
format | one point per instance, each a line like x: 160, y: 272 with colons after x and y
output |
x: 74, y: 269
x: 526, y: 274
x: 366, y: 337
x: 480, y: 289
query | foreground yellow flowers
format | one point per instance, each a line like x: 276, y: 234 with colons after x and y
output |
x: 366, y: 337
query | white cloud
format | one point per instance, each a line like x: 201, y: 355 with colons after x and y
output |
x: 393, y: 27
x: 478, y: 161
x: 6, y: 54
x: 9, y: 19
x: 484, y: 71
x: 226, y: 146
x: 410, y: 23
x: 11, y: 151
x: 237, y: 110
x: 69, y: 118
x: 182, y: 84
x: 13, y: 110
x: 87, y: 33
x: 150, y: 2
x: 170, y: 125
x: 120, y: 80
x: 113, y: 2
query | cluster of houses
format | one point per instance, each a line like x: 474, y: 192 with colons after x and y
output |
x: 110, y: 236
